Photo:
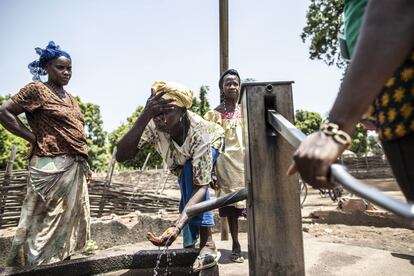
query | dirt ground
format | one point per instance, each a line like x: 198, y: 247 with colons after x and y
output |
x: 334, y: 249
x: 385, y: 238
x: 394, y: 246
x: 391, y: 239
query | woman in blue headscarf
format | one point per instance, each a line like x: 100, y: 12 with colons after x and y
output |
x: 54, y: 221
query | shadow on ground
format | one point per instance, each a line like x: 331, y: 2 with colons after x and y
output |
x: 404, y: 257
x: 226, y: 254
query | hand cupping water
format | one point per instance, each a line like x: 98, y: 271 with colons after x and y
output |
x: 166, y: 239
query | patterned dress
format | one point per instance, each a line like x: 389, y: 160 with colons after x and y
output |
x: 192, y: 162
x: 393, y: 109
x: 230, y: 163
x: 55, y: 217
x: 201, y: 136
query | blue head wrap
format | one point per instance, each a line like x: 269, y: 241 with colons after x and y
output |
x: 51, y: 51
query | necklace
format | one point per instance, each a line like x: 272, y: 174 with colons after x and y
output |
x: 59, y: 91
x: 185, y: 124
x: 237, y: 107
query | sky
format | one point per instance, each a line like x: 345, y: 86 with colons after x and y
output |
x: 119, y: 48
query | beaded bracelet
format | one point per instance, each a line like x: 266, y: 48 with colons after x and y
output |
x: 339, y: 136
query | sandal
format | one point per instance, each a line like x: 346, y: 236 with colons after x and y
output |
x: 237, y: 258
x: 206, y: 261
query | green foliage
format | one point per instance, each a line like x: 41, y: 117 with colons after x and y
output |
x: 248, y: 80
x: 138, y: 161
x: 360, y: 140
x: 201, y: 105
x: 374, y: 146
x: 90, y: 247
x: 324, y: 21
x: 8, y: 140
x: 96, y: 136
x: 307, y: 121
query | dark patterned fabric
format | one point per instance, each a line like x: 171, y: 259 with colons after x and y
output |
x: 57, y: 125
x: 231, y: 211
x: 400, y: 154
x: 393, y: 109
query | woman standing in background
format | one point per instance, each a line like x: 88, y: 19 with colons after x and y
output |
x: 55, y: 216
x: 230, y: 162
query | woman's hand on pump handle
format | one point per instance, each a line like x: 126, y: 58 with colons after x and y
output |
x: 314, y: 157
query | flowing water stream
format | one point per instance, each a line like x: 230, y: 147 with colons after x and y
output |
x: 168, y: 261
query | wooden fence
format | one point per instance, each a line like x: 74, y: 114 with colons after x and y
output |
x: 12, y: 193
x: 140, y: 190
x: 106, y: 197
x: 364, y: 167
x: 119, y: 198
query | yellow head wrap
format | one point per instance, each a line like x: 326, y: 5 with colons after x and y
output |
x: 182, y: 95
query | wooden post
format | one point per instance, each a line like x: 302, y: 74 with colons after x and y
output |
x: 10, y: 162
x: 6, y: 181
x: 107, y: 182
x: 274, y: 216
x: 224, y: 35
x: 224, y: 229
x: 224, y: 65
x: 165, y: 174
x: 138, y: 180
x: 146, y: 161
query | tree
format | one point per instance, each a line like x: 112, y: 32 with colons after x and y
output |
x: 324, y: 22
x: 195, y: 107
x: 374, y: 146
x: 307, y: 121
x: 201, y: 105
x: 360, y: 140
x: 139, y: 159
x: 248, y: 80
x: 95, y: 135
x: 204, y: 104
x: 8, y: 140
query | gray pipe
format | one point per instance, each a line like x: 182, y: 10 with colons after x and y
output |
x: 219, y: 202
x: 338, y: 173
